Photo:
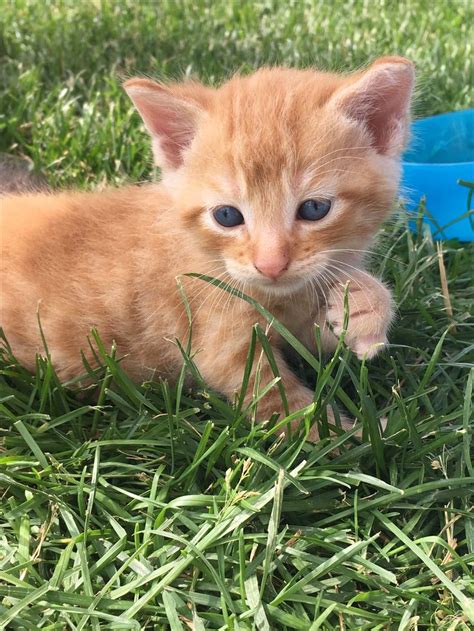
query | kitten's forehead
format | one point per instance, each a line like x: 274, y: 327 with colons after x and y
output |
x: 259, y: 128
x: 275, y: 87
x: 271, y: 121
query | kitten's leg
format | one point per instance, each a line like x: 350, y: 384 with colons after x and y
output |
x: 370, y: 312
x: 222, y: 366
x: 370, y: 315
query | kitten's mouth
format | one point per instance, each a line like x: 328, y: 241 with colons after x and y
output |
x: 284, y: 285
x: 287, y: 283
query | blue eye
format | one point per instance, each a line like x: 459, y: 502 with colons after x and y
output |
x: 314, y: 209
x: 228, y: 216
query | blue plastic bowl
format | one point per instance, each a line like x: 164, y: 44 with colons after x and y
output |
x: 441, y: 152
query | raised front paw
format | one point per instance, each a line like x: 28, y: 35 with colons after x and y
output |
x: 370, y: 315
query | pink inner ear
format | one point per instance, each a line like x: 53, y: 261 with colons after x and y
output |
x: 381, y: 100
x: 170, y: 120
x: 174, y: 130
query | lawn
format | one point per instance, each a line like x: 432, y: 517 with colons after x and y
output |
x: 160, y: 508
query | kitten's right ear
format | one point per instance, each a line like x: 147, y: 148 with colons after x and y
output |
x: 170, y: 117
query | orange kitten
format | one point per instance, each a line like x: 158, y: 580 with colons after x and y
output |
x: 276, y: 183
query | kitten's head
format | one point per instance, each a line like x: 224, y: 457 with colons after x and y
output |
x: 282, y: 173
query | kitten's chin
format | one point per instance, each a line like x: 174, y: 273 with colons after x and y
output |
x: 280, y: 287
x: 249, y: 282
x: 283, y: 287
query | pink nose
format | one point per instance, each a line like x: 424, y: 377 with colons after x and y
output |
x: 272, y: 267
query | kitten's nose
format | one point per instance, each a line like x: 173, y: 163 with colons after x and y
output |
x: 273, y: 267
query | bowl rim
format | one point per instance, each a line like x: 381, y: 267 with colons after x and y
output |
x: 461, y: 111
x: 437, y: 164
x: 454, y: 113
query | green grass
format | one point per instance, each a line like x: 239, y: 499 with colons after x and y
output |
x: 158, y: 508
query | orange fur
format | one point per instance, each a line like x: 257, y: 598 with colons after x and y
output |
x: 262, y: 143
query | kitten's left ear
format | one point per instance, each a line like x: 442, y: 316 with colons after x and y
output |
x: 380, y: 99
x: 171, y: 115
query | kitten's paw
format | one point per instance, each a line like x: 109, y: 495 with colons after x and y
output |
x: 369, y: 346
x: 370, y: 314
x: 313, y: 435
x: 299, y: 400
